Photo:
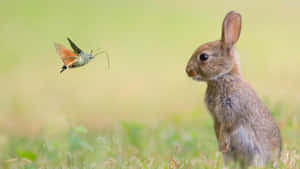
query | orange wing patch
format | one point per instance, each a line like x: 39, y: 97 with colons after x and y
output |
x: 65, y: 54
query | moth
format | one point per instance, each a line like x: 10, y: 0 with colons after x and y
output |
x: 76, y: 58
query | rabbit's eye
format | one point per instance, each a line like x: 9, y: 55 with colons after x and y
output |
x: 203, y: 57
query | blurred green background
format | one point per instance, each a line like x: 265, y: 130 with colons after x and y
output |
x: 149, y: 43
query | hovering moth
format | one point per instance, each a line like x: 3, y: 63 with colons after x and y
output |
x: 77, y: 57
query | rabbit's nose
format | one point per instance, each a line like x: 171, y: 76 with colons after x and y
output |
x: 190, y: 71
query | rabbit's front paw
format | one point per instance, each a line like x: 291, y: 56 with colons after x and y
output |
x: 224, y: 143
x: 224, y: 147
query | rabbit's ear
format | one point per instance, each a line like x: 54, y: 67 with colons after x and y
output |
x: 231, y: 29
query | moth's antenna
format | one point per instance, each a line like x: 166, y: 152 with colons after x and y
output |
x: 105, y: 53
x: 99, y: 49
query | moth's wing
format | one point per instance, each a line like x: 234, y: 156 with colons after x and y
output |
x: 65, y: 54
x: 76, y: 49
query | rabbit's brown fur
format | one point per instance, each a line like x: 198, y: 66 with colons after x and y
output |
x: 244, y: 127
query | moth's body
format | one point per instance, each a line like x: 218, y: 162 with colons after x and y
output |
x: 75, y: 58
x: 83, y: 59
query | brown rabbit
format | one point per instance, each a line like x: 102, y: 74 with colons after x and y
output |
x: 245, y: 129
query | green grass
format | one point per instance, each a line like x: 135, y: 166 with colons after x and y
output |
x: 130, y: 145
x: 175, y: 143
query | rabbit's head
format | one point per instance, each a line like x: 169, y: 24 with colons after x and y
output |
x: 214, y: 59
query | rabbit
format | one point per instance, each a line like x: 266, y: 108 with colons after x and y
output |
x: 246, y: 132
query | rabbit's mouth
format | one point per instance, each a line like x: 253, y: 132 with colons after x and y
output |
x: 193, y: 73
x: 197, y: 78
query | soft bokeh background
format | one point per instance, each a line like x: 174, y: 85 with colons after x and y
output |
x: 149, y: 43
